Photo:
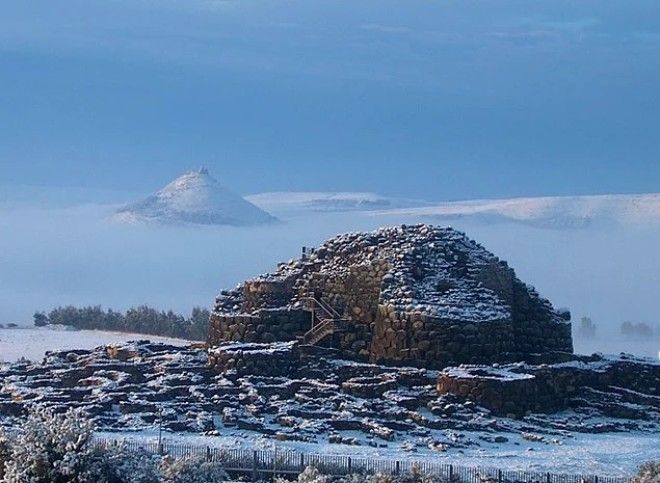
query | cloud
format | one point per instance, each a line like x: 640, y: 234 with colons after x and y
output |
x: 535, y: 31
x: 530, y: 37
x: 577, y: 25
x: 387, y: 29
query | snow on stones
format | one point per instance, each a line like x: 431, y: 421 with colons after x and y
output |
x: 322, y: 399
x: 618, y: 386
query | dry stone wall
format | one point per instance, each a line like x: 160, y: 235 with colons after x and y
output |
x: 516, y: 389
x: 277, y: 359
x: 418, y: 339
x: 264, y: 325
x: 260, y: 294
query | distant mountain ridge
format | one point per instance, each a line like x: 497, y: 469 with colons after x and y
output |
x: 330, y: 201
x: 194, y: 198
x: 548, y: 212
x: 197, y: 198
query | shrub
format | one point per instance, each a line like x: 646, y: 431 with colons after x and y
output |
x: 586, y: 329
x: 639, y: 329
x: 141, y: 320
x: 4, y: 453
x: 649, y: 472
x: 49, y: 448
x: 310, y: 474
x: 191, y: 471
x: 57, y: 448
x: 313, y: 475
x: 40, y: 319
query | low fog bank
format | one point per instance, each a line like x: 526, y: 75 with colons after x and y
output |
x: 76, y: 255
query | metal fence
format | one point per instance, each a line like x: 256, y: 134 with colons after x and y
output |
x: 265, y: 464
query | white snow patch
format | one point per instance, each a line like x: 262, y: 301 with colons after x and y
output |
x: 613, y: 454
x: 32, y: 343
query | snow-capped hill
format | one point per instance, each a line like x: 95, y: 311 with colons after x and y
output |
x: 329, y: 201
x: 550, y: 212
x: 194, y: 198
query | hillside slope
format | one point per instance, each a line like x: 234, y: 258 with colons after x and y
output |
x: 194, y: 198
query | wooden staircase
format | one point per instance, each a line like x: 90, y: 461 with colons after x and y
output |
x: 326, y: 321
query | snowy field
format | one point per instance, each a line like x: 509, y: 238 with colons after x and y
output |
x: 32, y: 343
x: 614, y: 454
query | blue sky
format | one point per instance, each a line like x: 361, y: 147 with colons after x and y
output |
x: 428, y: 99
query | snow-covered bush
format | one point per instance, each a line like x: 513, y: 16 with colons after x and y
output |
x: 313, y: 475
x: 119, y: 465
x: 57, y: 448
x: 648, y: 473
x: 4, y: 452
x: 191, y: 471
x: 413, y: 476
x: 49, y: 448
x: 380, y: 478
x: 310, y: 474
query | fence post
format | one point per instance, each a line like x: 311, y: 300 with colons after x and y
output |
x: 397, y: 469
x: 499, y: 476
x: 208, y: 454
x: 274, y: 459
x: 547, y: 477
x: 451, y: 473
x: 254, y: 465
x: 350, y: 464
x: 596, y: 479
x: 302, y: 462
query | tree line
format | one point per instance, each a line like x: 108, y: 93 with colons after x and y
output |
x: 140, y: 320
x: 586, y: 329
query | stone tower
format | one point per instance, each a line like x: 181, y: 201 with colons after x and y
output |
x: 417, y: 295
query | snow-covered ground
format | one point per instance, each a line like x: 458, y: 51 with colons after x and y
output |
x: 614, y: 454
x: 33, y: 342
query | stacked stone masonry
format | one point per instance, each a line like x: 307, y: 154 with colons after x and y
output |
x: 416, y: 295
x: 517, y: 389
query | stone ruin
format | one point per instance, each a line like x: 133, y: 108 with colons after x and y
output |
x: 411, y: 295
x: 286, y: 391
x: 517, y: 389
